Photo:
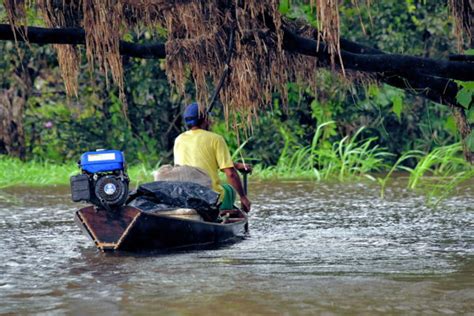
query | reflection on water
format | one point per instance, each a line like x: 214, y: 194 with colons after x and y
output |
x: 313, y: 248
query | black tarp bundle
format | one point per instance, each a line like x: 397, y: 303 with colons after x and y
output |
x: 167, y: 195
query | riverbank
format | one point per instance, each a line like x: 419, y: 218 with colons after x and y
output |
x: 437, y: 173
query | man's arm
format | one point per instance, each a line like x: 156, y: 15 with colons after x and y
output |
x: 234, y: 180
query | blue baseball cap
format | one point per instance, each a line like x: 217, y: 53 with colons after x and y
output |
x: 192, y: 115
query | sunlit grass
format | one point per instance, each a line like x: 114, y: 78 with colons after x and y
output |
x: 439, y: 172
x: 412, y: 154
x: 346, y: 159
x: 14, y: 172
x: 441, y: 162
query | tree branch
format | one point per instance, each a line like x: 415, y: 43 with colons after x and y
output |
x: 366, y: 59
x: 381, y: 62
x: 76, y: 36
x: 417, y: 75
x: 439, y: 90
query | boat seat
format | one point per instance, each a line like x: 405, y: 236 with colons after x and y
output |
x: 186, y: 213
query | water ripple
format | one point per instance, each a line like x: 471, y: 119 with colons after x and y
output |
x: 313, y: 248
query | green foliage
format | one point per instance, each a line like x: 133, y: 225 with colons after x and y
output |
x: 437, y: 173
x: 447, y: 169
x: 446, y: 186
x: 412, y: 154
x: 14, y: 172
x: 465, y: 94
x: 59, y: 129
x: 284, y: 6
x: 441, y: 161
x: 346, y: 159
x: 141, y: 173
x: 470, y: 141
x: 397, y: 107
x: 470, y: 115
x: 465, y: 97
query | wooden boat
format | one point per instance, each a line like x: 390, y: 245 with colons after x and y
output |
x: 132, y: 229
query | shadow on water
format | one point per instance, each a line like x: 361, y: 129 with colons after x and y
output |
x: 312, y: 248
x: 174, y: 251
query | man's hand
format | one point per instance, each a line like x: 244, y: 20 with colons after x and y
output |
x: 243, y: 167
x: 245, y: 203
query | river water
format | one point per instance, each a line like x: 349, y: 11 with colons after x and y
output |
x: 313, y: 249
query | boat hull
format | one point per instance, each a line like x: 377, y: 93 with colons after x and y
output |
x: 131, y: 229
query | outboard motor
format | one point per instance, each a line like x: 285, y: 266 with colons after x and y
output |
x: 103, y: 181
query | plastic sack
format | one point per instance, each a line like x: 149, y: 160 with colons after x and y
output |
x: 167, y: 195
x: 183, y: 173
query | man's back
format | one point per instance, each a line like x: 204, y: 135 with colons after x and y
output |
x: 205, y: 150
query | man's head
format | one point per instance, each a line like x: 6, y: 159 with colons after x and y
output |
x: 193, y: 117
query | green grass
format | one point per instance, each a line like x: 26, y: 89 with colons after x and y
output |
x: 349, y: 158
x: 412, y: 154
x: 439, y: 172
x: 140, y: 173
x: 14, y: 172
x: 442, y: 162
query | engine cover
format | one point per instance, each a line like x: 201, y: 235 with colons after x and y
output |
x: 102, y: 161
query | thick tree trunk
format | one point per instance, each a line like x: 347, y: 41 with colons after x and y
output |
x: 12, y: 107
x: 12, y: 135
x: 470, y: 14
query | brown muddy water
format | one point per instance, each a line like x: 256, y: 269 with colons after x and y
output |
x: 313, y: 249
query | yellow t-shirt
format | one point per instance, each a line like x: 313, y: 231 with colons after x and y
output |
x: 205, y: 150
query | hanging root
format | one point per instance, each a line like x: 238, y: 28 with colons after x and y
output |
x: 103, y: 24
x: 462, y: 12
x: 58, y: 14
x: 16, y: 13
x: 327, y: 14
x: 197, y: 48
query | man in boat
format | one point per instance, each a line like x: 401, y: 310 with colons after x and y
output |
x: 198, y: 147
